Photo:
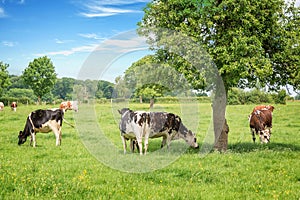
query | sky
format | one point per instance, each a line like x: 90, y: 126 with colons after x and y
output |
x: 68, y: 32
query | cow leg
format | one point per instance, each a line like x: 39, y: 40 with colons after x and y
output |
x: 253, y: 135
x: 132, y: 143
x: 57, y: 134
x: 146, y: 144
x: 32, y: 139
x: 168, y: 139
x: 124, y: 143
x: 163, y: 142
x: 140, y: 144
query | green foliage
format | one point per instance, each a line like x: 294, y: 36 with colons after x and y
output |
x: 247, y: 40
x: 4, y: 77
x: 281, y: 97
x: 21, y: 93
x: 104, y: 89
x: 17, y: 82
x: 148, y: 77
x: 239, y: 97
x: 63, y: 88
x: 40, y: 76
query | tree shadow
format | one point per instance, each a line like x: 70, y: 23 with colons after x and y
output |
x: 251, y: 147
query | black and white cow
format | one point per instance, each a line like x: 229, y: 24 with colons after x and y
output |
x: 42, y: 121
x: 135, y: 125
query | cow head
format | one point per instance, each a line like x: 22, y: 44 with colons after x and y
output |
x: 123, y: 110
x: 265, y: 136
x: 22, y: 138
x: 188, y: 136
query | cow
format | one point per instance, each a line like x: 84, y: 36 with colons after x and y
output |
x: 42, y: 121
x: 135, y: 125
x: 261, y: 123
x: 13, y: 106
x: 69, y: 105
x: 1, y: 106
x: 264, y: 107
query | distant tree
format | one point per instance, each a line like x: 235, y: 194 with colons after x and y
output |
x: 150, y: 78
x: 104, y: 89
x: 64, y: 88
x: 17, y: 82
x: 21, y: 93
x: 281, y: 97
x: 120, y: 88
x: 4, y: 77
x: 40, y: 76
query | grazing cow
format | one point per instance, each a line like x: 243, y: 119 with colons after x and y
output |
x: 261, y: 123
x: 264, y: 107
x: 42, y: 121
x: 69, y: 105
x: 13, y: 106
x: 135, y: 125
x: 1, y: 106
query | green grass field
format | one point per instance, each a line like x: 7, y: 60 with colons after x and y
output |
x: 75, y: 171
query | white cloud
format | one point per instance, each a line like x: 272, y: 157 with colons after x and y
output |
x: 2, y: 12
x: 91, y: 36
x: 80, y: 49
x: 58, y: 41
x: 9, y: 43
x: 107, y: 8
x: 98, y: 11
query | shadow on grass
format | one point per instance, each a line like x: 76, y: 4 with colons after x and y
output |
x: 251, y: 147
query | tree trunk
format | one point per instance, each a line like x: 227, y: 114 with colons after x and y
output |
x: 39, y: 100
x: 221, y: 128
x: 151, y: 103
x: 141, y: 99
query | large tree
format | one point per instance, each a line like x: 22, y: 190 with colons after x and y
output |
x: 248, y: 41
x: 40, y: 76
x: 4, y: 77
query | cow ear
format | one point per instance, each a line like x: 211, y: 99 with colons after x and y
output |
x: 119, y: 112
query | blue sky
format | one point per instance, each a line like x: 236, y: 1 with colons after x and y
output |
x: 67, y: 31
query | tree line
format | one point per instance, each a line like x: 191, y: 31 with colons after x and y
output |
x: 39, y: 83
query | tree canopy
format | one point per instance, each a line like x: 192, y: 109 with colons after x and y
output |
x: 247, y: 40
x: 4, y: 77
x: 40, y: 76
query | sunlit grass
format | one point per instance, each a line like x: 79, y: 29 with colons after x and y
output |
x: 245, y: 171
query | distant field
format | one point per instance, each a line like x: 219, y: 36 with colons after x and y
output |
x: 71, y: 171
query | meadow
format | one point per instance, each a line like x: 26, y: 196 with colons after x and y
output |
x: 75, y: 171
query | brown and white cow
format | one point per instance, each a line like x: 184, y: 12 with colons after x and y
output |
x: 264, y: 107
x: 69, y: 105
x: 1, y: 106
x: 135, y: 125
x: 14, y: 106
x: 261, y: 123
x: 42, y: 121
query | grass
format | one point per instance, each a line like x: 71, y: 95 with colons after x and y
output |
x: 77, y: 169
